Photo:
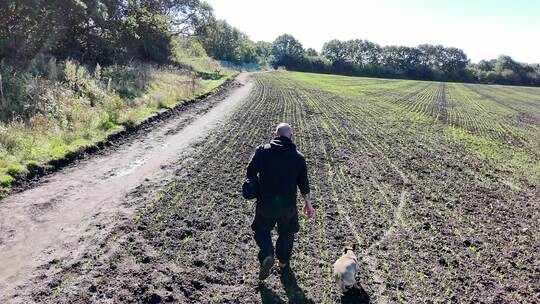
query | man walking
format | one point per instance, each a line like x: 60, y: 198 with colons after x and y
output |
x: 280, y: 169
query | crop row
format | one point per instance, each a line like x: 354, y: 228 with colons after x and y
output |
x: 460, y: 234
x: 433, y: 220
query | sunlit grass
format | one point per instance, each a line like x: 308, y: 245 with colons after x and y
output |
x: 44, y: 138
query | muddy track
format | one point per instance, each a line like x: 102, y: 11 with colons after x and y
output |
x: 55, y: 219
x: 36, y: 173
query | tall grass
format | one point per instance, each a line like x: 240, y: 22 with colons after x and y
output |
x: 54, y: 107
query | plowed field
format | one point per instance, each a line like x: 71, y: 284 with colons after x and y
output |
x: 438, y: 184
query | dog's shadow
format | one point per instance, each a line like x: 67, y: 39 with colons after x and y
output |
x: 356, y: 296
x: 296, y: 295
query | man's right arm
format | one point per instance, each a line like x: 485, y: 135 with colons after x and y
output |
x: 253, y: 166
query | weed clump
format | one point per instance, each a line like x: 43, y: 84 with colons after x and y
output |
x: 112, y: 114
x: 6, y: 181
x: 16, y: 170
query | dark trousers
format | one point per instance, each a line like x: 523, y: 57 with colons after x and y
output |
x: 287, y: 225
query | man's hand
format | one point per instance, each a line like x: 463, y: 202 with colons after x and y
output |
x: 308, y: 209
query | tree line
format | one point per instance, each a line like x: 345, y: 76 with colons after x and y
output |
x: 118, y: 32
x: 96, y: 31
x: 358, y: 57
x: 426, y: 62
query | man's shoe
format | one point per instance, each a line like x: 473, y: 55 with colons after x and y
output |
x: 266, y: 267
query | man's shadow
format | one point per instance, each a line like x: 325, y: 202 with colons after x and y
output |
x: 296, y: 295
x: 268, y: 296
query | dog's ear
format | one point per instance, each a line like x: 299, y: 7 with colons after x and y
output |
x: 354, y: 246
x: 346, y: 248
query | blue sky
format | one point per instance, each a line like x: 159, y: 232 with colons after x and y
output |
x: 483, y: 29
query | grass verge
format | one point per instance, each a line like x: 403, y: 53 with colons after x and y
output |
x: 30, y: 148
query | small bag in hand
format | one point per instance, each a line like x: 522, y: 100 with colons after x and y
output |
x: 250, y: 189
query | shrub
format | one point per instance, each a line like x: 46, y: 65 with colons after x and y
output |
x: 16, y: 170
x: 6, y: 181
x: 161, y: 105
x: 53, y: 73
x: 9, y: 140
x: 41, y: 98
x: 129, y: 123
x: 84, y: 83
x: 13, y: 96
x: 32, y: 165
x: 112, y: 109
x: 127, y: 81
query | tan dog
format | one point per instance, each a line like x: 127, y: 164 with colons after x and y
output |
x: 345, y: 269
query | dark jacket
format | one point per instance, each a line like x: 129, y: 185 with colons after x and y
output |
x: 280, y: 169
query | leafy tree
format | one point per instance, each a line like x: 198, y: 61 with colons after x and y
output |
x: 362, y: 57
x: 432, y: 56
x: 486, y: 65
x: 335, y: 51
x: 104, y: 31
x: 400, y: 58
x: 225, y: 42
x: 187, y: 16
x: 311, y: 52
x: 362, y: 52
x: 287, y: 51
x: 504, y: 62
x: 27, y: 26
x: 263, y: 50
x: 455, y: 62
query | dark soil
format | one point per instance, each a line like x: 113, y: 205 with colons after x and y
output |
x: 434, y: 222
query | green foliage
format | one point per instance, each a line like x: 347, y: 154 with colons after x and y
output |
x: 15, y: 170
x: 263, y: 50
x: 6, y: 181
x: 224, y: 42
x: 505, y: 70
x: 311, y: 52
x: 112, y: 110
x: 73, y: 122
x: 13, y: 84
x: 362, y: 57
x: 190, y: 53
x: 82, y: 82
x: 8, y: 140
x: 426, y: 62
x: 53, y: 74
x: 97, y: 31
x: 287, y: 50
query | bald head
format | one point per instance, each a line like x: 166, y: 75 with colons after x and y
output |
x: 284, y: 129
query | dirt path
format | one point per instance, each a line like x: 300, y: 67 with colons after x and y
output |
x: 49, y: 222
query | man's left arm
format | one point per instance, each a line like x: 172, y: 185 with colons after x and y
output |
x: 303, y: 185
